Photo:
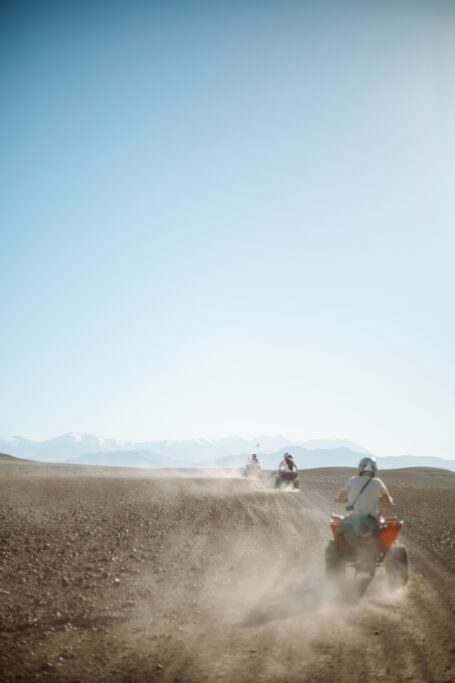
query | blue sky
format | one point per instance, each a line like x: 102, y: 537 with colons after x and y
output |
x: 229, y: 218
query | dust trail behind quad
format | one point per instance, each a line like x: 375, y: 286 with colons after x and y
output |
x: 260, y: 608
x: 195, y: 578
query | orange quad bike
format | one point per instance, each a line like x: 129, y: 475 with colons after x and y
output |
x: 371, y: 550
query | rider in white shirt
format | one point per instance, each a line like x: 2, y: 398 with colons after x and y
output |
x: 287, y: 464
x: 363, y: 494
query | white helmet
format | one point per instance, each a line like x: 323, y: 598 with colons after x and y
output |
x: 368, y: 466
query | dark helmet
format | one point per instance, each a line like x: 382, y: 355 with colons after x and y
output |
x: 288, y: 456
x: 368, y: 466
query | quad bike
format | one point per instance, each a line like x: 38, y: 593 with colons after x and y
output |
x: 372, y: 550
x: 253, y: 469
x: 287, y: 480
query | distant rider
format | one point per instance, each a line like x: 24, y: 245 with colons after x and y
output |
x: 253, y: 467
x: 287, y: 467
x: 363, y: 493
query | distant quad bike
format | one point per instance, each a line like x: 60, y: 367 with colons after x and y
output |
x: 374, y: 550
x: 253, y: 469
x: 287, y: 481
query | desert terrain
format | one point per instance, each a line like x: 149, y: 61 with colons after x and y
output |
x: 139, y: 575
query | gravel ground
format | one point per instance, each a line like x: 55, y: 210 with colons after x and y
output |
x: 133, y: 575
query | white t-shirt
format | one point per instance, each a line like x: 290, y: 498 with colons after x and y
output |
x: 284, y: 466
x: 368, y: 501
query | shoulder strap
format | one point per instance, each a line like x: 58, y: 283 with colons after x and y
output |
x: 361, y: 491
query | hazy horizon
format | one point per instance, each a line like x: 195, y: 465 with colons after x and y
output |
x: 260, y: 448
x: 229, y: 219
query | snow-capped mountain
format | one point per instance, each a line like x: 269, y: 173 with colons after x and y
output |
x: 58, y: 449
x: 73, y: 445
x: 89, y: 449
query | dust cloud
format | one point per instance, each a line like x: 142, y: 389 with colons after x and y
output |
x: 197, y: 576
x: 246, y: 561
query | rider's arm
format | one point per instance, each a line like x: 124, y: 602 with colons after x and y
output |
x: 342, y: 497
x: 386, y: 499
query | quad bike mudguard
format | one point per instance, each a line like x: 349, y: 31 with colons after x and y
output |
x: 389, y: 528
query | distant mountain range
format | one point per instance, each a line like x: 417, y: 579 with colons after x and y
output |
x: 72, y: 445
x: 230, y: 452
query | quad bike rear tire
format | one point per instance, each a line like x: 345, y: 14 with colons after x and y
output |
x: 396, y: 565
x: 285, y: 482
x: 334, y: 564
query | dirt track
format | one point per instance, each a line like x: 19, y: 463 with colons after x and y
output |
x: 115, y: 575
